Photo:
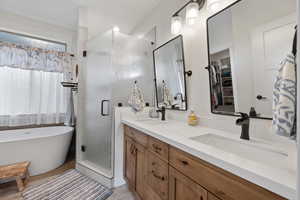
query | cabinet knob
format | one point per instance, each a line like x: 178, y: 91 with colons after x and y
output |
x: 131, y: 148
x: 157, y: 148
x: 157, y: 176
x: 185, y: 162
x: 135, y: 150
x: 260, y: 97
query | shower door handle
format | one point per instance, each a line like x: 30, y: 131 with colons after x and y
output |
x: 102, y: 108
x: 260, y: 97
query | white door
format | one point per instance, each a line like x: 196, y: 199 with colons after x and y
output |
x: 270, y: 44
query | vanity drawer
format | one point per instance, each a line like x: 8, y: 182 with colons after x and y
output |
x: 158, y: 175
x: 183, y: 188
x: 161, y: 149
x: 136, y: 135
x: 222, y: 184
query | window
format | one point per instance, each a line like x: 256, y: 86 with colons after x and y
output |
x: 30, y: 96
x: 32, y: 41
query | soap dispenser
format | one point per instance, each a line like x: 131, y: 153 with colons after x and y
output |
x: 192, y: 118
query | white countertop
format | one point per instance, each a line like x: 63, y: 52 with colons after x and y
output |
x: 177, y: 133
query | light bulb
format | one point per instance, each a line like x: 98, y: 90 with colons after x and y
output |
x: 140, y: 36
x: 192, y: 13
x: 176, y: 25
x: 116, y: 29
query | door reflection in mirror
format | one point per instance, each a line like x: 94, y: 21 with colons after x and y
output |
x: 221, y: 81
x: 247, y: 42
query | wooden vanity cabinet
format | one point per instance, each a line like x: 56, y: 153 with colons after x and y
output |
x: 146, y: 167
x: 157, y: 175
x: 183, y: 188
x: 155, y: 170
x: 130, y: 162
x: 140, y: 184
x: 135, y: 166
x: 219, y: 182
x: 160, y: 149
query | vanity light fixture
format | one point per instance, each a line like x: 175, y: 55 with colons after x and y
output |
x: 176, y: 25
x: 192, y: 13
x: 215, y: 5
x: 116, y: 29
x: 140, y: 36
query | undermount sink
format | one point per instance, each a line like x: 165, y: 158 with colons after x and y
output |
x: 251, y: 150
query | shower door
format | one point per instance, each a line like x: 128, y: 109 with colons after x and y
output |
x: 113, y: 63
x: 96, y: 131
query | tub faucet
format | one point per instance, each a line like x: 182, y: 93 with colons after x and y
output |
x: 244, y: 121
x: 163, y: 113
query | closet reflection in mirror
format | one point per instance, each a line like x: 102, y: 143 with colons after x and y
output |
x: 170, y: 75
x: 246, y: 46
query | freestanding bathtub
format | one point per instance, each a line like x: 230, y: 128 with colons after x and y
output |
x: 46, y: 148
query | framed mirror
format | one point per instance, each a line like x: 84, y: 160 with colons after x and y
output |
x: 246, y: 43
x: 169, y: 67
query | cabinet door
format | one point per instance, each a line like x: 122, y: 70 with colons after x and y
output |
x: 158, y: 175
x: 182, y: 188
x: 130, y: 163
x: 140, y: 187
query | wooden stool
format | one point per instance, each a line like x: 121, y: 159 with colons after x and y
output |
x: 16, y: 171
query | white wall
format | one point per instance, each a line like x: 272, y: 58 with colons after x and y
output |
x: 195, y: 47
x: 220, y: 32
x: 20, y: 24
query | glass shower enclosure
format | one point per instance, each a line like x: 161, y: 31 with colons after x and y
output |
x: 113, y: 62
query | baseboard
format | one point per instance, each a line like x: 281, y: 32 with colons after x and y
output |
x: 119, y: 182
x: 94, y: 175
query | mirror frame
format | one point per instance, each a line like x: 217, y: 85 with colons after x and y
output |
x: 208, y: 67
x: 184, y: 75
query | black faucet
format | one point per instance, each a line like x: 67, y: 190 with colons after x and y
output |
x: 180, y: 95
x: 244, y: 121
x: 163, y: 113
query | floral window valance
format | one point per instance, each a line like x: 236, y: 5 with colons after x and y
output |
x: 24, y: 57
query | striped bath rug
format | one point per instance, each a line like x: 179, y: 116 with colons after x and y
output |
x: 72, y: 185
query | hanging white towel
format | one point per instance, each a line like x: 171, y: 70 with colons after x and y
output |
x: 284, y: 98
x: 167, y: 97
x: 136, y: 99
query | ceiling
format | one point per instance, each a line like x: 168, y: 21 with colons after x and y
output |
x: 58, y: 12
x: 125, y: 13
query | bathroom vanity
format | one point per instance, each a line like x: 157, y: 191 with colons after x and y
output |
x: 173, y: 161
x: 166, y: 170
